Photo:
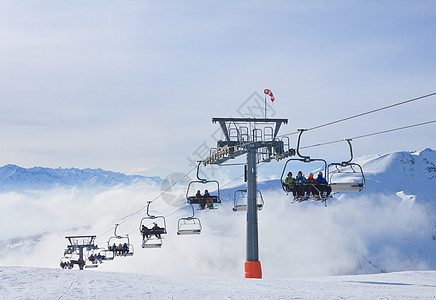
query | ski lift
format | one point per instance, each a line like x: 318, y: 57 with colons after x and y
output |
x: 346, y: 176
x: 304, y: 159
x: 73, y: 258
x: 74, y: 253
x: 191, y: 191
x: 102, y: 254
x: 91, y: 262
x: 97, y: 256
x: 69, y: 250
x: 65, y: 262
x: 120, y: 245
x: 189, y: 225
x: 107, y: 254
x: 240, y: 200
x: 70, y: 260
x: 154, y: 239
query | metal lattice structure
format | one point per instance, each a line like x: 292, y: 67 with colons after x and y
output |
x: 78, y: 243
x: 243, y: 133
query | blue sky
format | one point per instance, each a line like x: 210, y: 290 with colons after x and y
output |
x: 132, y: 86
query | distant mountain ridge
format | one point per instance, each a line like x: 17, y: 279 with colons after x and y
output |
x: 15, y: 178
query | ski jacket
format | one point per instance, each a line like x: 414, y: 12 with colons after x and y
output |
x: 312, y: 180
x: 289, y: 180
x: 321, y: 180
x: 300, y: 180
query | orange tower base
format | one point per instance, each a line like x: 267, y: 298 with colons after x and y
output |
x: 253, y: 269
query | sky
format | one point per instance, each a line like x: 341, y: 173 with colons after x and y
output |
x: 132, y: 86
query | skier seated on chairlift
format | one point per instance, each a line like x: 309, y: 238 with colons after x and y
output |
x: 144, y: 232
x: 208, y: 199
x: 125, y: 248
x: 92, y: 258
x: 323, y: 186
x: 201, y: 199
x: 156, y: 230
x: 67, y: 265
x: 100, y: 257
x: 289, y: 184
x: 312, y: 187
x: 120, y: 249
x: 113, y: 248
x: 301, y: 185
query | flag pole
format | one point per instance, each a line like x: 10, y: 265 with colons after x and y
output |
x: 265, y: 105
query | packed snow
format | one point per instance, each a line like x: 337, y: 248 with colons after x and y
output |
x: 45, y: 283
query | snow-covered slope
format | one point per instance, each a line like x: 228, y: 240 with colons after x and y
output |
x: 41, y: 283
x: 15, y: 178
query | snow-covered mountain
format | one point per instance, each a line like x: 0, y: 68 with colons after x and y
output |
x: 411, y: 172
x: 15, y: 178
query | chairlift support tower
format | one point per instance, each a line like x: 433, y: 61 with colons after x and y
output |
x: 79, y: 243
x: 251, y: 136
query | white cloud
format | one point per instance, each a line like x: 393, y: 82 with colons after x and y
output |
x: 368, y: 233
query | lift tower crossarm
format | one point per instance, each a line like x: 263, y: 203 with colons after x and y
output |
x: 222, y: 122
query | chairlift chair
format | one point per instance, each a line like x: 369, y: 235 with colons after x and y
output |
x: 103, y: 254
x: 120, y: 240
x: 107, y: 254
x: 240, y: 200
x: 74, y: 260
x: 68, y: 250
x: 190, y: 193
x: 154, y: 239
x: 65, y: 262
x: 346, y: 176
x: 189, y: 225
x: 90, y: 264
x: 91, y: 260
x: 304, y: 159
x: 152, y: 243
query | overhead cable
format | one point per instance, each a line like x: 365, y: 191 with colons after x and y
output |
x: 366, y: 113
x: 145, y: 206
x: 370, y: 134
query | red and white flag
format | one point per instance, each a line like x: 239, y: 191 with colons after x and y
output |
x: 269, y: 93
